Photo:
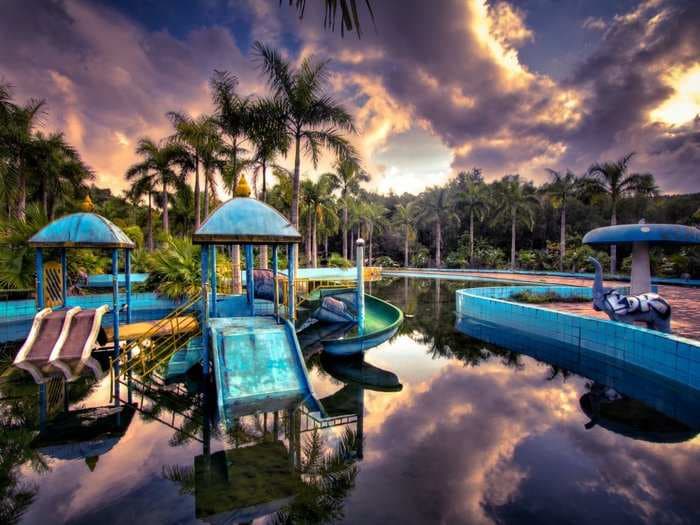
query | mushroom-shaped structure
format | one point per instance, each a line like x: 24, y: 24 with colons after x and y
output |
x: 243, y: 220
x: 641, y: 236
x: 81, y: 230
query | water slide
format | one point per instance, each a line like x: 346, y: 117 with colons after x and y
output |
x: 382, y: 321
x: 258, y: 363
x: 62, y: 341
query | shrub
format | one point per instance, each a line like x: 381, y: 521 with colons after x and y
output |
x: 547, y: 297
x: 420, y: 257
x: 385, y: 262
x: 337, y: 261
x: 175, y: 271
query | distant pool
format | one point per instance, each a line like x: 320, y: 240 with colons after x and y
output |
x: 475, y: 433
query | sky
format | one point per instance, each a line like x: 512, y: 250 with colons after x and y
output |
x: 434, y: 87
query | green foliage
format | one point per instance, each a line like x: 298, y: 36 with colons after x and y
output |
x: 16, y: 257
x: 547, y: 297
x: 140, y: 261
x: 385, y: 262
x: 420, y: 257
x: 175, y: 271
x: 337, y: 261
x: 135, y: 233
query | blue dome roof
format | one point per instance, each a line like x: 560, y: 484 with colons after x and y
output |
x: 81, y: 230
x: 642, y: 232
x: 243, y: 220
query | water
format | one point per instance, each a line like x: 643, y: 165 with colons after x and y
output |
x: 474, y: 434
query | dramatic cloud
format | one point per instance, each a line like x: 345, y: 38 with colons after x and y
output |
x: 449, y: 81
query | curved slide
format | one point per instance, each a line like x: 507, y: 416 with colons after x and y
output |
x: 62, y: 341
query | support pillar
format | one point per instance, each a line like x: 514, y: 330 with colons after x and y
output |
x: 127, y: 282
x: 204, y: 309
x: 115, y: 321
x: 291, y: 272
x: 249, y: 277
x: 39, y: 268
x: 64, y: 276
x: 641, y: 270
x: 360, y: 251
x: 212, y: 266
x: 275, y: 288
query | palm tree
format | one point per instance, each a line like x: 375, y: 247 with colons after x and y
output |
x: 311, y: 118
x: 562, y: 188
x: 318, y: 201
x: 267, y: 135
x: 349, y: 17
x: 60, y: 170
x: 196, y: 136
x: 144, y: 184
x: 374, y: 217
x: 159, y: 160
x: 16, y: 257
x: 612, y: 179
x: 437, y: 209
x: 475, y: 201
x: 518, y: 201
x: 405, y: 217
x: 17, y: 137
x: 347, y: 178
x: 234, y: 116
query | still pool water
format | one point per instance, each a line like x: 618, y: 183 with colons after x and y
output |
x: 473, y: 433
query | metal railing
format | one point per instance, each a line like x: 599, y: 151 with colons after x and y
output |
x: 165, y: 337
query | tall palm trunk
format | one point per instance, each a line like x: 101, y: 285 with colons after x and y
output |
x: 309, y: 233
x: 471, y: 237
x: 562, y: 238
x: 197, y: 196
x: 370, y: 228
x: 345, y: 230
x: 613, y: 247
x: 21, y: 210
x: 405, y: 246
x: 314, y: 239
x: 352, y: 244
x: 166, y: 220
x: 206, y: 193
x: 512, y: 238
x: 150, y: 221
x: 438, y: 243
x: 325, y: 246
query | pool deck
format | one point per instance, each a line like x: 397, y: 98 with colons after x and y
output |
x: 685, y: 301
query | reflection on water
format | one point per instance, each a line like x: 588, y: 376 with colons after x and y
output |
x: 434, y: 426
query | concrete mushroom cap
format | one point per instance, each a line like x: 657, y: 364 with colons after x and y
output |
x: 649, y: 233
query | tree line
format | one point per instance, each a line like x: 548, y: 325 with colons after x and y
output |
x: 467, y: 222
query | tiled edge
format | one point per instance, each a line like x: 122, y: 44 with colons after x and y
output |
x: 671, y: 356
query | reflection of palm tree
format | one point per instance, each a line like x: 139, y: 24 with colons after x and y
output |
x: 327, y: 480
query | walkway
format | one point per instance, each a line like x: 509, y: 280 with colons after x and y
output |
x: 685, y: 301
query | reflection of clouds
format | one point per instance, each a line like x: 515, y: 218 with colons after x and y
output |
x: 489, y: 444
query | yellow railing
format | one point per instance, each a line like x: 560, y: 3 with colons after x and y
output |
x: 168, y: 335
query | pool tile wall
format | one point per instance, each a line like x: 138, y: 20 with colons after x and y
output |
x: 670, y: 356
